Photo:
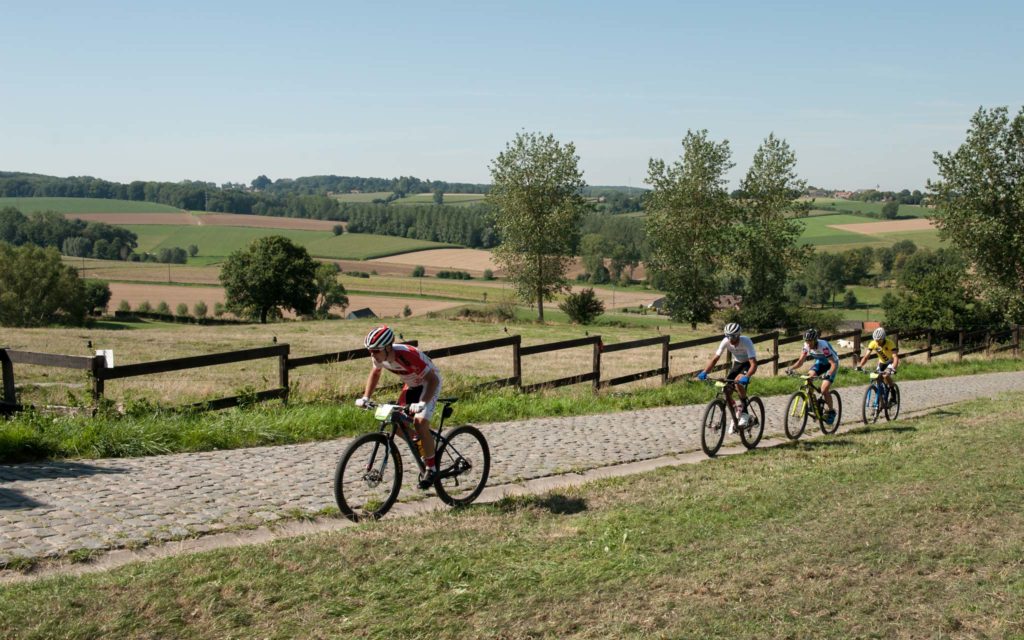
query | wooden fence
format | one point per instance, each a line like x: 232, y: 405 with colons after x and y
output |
x: 935, y: 344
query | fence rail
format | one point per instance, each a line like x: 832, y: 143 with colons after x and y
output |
x: 963, y: 344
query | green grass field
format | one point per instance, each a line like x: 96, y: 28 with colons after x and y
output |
x: 217, y: 242
x: 818, y: 232
x: 85, y: 205
x: 875, y: 208
x: 451, y: 199
x: 911, y: 530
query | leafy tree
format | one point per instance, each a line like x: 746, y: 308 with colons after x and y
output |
x: 980, y: 198
x: 824, y: 276
x: 536, y: 194
x: 850, y: 300
x: 886, y: 259
x: 593, y: 248
x: 124, y: 306
x: 767, y: 235
x: 163, y: 308
x: 199, y: 309
x: 77, y: 246
x: 438, y: 196
x: 270, y: 274
x: 181, y: 309
x: 582, y: 307
x: 689, y: 217
x: 145, y: 307
x: 890, y: 210
x: 488, y: 274
x: 337, y: 229
x: 97, y: 295
x: 933, y: 294
x: 193, y: 250
x: 329, y: 291
x: 36, y: 289
x: 406, y: 311
x: 418, y: 271
x: 261, y: 183
x: 857, y: 264
x: 218, y: 309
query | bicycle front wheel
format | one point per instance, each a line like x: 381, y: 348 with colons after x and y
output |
x: 796, y: 415
x: 871, y: 408
x: 712, y: 431
x: 751, y: 434
x: 368, y: 477
x: 837, y: 406
x: 463, y: 465
x: 893, y: 408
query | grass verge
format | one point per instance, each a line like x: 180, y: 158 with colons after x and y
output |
x: 911, y: 530
x: 148, y: 430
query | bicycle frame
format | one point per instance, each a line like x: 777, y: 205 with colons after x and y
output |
x: 400, y: 422
x: 723, y: 387
x: 810, y: 393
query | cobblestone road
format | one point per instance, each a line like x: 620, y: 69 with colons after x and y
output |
x: 53, y: 508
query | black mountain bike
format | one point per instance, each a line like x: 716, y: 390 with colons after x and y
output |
x: 879, y: 399
x: 369, y: 473
x: 809, y: 401
x: 713, y: 425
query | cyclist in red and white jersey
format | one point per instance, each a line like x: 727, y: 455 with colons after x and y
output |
x: 420, y: 390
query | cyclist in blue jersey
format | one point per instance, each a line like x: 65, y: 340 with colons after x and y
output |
x: 826, y: 363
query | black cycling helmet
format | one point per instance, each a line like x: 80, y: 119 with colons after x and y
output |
x: 810, y: 334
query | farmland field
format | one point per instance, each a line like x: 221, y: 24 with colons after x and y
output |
x: 451, y: 199
x: 201, y: 218
x: 832, y: 233
x: 85, y: 205
x: 461, y: 259
x: 875, y: 208
x: 216, y: 242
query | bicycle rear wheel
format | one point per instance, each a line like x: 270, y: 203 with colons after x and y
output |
x: 751, y: 434
x: 871, y: 407
x: 893, y: 408
x: 712, y: 431
x: 368, y: 477
x: 837, y: 406
x: 463, y: 465
x: 796, y: 415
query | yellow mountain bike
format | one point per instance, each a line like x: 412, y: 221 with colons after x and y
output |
x: 808, y: 401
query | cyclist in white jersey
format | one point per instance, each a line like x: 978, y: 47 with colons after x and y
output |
x: 420, y: 390
x: 744, y: 362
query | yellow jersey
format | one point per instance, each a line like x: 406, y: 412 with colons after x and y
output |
x: 885, y: 350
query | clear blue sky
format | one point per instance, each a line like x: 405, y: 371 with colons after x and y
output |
x: 864, y: 92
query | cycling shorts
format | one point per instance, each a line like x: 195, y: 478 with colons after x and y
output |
x: 738, y: 369
x: 821, y: 368
x: 412, y: 394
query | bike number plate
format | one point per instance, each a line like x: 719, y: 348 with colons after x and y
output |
x: 383, y: 411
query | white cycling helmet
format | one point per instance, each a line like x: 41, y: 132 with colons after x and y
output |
x: 379, y: 338
x: 731, y: 330
x: 878, y: 334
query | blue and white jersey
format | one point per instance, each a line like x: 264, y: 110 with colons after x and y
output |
x: 822, y: 353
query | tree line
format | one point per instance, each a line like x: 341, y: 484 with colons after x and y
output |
x: 471, y: 226
x: 72, y: 237
x: 322, y: 185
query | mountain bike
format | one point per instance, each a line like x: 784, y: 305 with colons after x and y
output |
x: 880, y: 398
x: 713, y: 425
x: 369, y: 474
x: 809, y: 401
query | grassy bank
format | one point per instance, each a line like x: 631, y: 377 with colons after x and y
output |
x: 914, y: 530
x: 146, y: 430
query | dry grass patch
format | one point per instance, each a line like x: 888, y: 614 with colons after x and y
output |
x: 888, y: 226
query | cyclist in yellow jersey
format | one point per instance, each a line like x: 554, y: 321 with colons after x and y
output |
x: 888, y: 355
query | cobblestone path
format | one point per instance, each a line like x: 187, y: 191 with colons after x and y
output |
x: 52, y: 508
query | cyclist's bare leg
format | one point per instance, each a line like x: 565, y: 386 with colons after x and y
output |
x: 423, y: 431
x: 825, y: 386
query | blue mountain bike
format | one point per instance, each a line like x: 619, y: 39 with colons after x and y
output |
x: 880, y: 399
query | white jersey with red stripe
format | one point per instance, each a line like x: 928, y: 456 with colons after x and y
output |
x: 409, y: 363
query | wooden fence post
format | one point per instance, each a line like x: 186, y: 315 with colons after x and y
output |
x: 928, y: 356
x: 282, y: 372
x: 664, y: 360
x: 988, y: 343
x: 775, y: 353
x: 597, y: 365
x: 896, y: 339
x: 1016, y: 341
x: 99, y: 363
x: 517, y: 362
x: 960, y: 348
x: 856, y: 346
x: 8, y: 372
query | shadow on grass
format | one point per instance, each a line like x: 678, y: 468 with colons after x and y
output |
x: 554, y: 503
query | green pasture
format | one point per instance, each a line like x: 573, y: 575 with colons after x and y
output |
x: 872, y: 208
x: 818, y: 232
x: 450, y: 199
x: 85, y: 205
x: 216, y: 242
x: 369, y: 196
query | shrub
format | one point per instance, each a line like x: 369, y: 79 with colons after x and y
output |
x: 406, y: 312
x: 218, y: 309
x: 357, y: 274
x: 163, y: 308
x: 488, y: 274
x: 144, y: 306
x: 582, y: 307
x: 337, y: 229
x: 181, y: 309
x: 124, y: 306
x: 454, y: 275
x: 418, y: 271
x: 850, y: 300
x: 199, y: 309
